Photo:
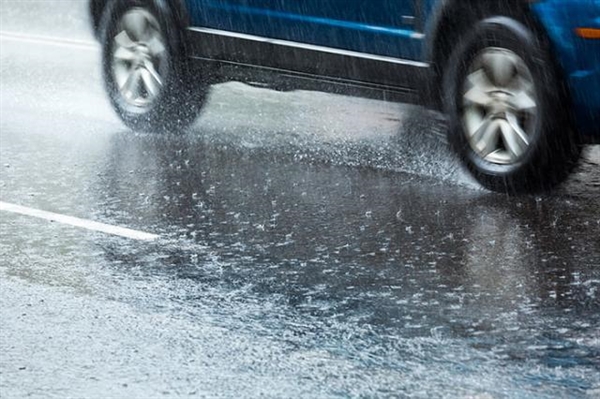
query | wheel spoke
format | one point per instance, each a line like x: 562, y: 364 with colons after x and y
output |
x: 489, y: 139
x: 485, y: 138
x: 136, y: 25
x: 524, y: 102
x: 125, y: 54
x: 477, y: 133
x: 478, y: 96
x: 152, y: 82
x: 155, y: 43
x: 478, y: 89
x: 499, y: 67
x: 513, y: 140
x: 153, y: 72
x: 122, y: 71
x: 123, y: 40
x: 131, y: 87
x: 473, y: 117
x: 479, y: 78
x: 514, y: 124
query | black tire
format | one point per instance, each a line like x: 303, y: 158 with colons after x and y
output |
x: 180, y: 95
x: 551, y: 149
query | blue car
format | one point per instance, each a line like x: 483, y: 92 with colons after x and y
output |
x: 518, y: 80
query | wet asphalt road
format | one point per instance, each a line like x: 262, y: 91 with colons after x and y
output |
x: 311, y: 245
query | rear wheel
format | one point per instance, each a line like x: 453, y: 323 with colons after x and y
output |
x: 508, y: 112
x: 146, y: 72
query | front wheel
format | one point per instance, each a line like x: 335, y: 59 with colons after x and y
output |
x: 507, y: 110
x: 146, y: 72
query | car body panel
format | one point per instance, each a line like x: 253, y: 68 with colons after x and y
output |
x: 378, y: 27
x: 579, y: 58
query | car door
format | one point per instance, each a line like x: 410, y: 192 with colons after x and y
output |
x: 380, y: 27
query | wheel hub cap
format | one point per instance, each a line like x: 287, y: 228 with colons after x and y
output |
x: 139, y: 58
x: 499, y: 108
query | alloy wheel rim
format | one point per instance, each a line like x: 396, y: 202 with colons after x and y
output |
x: 500, y: 107
x: 139, y: 58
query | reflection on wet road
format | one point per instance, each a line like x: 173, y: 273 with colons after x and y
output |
x: 311, y: 245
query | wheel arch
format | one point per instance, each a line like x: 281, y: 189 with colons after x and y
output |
x: 451, y: 19
x: 176, y: 9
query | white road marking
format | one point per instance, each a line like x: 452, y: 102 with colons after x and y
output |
x: 50, y: 40
x: 77, y: 222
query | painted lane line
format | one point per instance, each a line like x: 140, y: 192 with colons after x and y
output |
x: 49, y: 40
x: 77, y: 222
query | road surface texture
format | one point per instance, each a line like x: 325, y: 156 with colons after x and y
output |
x: 289, y: 245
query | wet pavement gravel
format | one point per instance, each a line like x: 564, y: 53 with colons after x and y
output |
x: 311, y: 245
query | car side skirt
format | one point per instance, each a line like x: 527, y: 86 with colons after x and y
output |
x: 253, y: 58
